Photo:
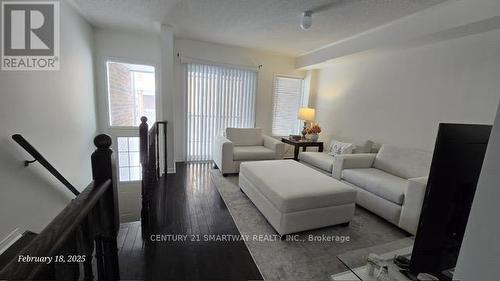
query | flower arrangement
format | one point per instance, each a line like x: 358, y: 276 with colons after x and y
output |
x: 314, y: 129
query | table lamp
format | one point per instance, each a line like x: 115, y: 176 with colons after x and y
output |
x: 306, y: 114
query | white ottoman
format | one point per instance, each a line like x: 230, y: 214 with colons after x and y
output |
x: 294, y: 197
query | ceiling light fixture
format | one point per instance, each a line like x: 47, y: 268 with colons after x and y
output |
x: 306, y: 20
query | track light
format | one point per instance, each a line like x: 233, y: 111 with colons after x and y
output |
x: 306, y: 20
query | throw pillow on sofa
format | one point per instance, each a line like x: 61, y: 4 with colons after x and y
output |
x: 337, y: 148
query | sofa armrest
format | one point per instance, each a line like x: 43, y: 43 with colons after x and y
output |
x: 222, y: 150
x: 351, y: 161
x: 276, y: 145
x: 412, y: 205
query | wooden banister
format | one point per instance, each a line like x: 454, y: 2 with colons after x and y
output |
x: 150, y: 147
x: 38, y: 157
x: 88, y: 222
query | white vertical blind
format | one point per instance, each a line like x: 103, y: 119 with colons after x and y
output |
x: 217, y: 97
x: 287, y: 98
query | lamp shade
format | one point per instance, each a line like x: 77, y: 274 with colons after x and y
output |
x: 306, y: 114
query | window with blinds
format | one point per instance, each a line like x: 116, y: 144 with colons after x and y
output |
x: 217, y: 97
x: 287, y: 98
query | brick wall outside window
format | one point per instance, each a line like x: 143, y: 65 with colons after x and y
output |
x: 121, y: 95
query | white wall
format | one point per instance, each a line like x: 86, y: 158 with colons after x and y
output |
x: 400, y: 96
x: 141, y: 48
x: 55, y: 111
x: 123, y: 46
x: 480, y: 251
x: 127, y: 47
x: 271, y: 64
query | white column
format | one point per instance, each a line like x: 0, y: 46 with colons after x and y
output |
x: 167, y: 88
x: 480, y: 251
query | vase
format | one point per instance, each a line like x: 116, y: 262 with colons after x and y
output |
x: 314, y: 137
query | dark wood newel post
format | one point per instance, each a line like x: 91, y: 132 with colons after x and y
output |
x: 143, y: 147
x: 102, y: 171
x: 143, y: 140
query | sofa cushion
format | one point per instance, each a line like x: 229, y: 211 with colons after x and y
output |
x: 291, y: 186
x: 245, y: 136
x: 378, y: 182
x: 403, y: 162
x: 253, y: 153
x: 320, y: 160
x: 362, y: 147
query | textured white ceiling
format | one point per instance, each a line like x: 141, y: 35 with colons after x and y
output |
x: 271, y: 25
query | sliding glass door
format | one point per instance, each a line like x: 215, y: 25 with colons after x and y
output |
x: 217, y: 97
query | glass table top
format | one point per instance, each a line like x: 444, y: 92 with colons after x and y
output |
x: 356, y: 260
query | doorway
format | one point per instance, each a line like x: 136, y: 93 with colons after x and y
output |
x: 131, y: 94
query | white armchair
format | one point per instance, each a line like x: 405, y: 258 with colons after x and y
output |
x: 244, y: 144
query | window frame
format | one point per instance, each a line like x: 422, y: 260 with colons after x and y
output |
x: 304, y: 98
x: 107, y: 111
x: 105, y: 117
x: 126, y: 133
x: 118, y: 167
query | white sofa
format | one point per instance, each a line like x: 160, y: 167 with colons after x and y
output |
x: 390, y: 183
x: 323, y: 161
x: 244, y: 144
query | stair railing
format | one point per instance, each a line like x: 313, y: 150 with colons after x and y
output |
x: 81, y: 236
x: 151, y: 145
x: 38, y: 157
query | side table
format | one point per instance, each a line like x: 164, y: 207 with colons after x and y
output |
x: 302, y: 143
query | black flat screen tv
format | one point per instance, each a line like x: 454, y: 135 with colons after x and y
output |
x: 456, y: 165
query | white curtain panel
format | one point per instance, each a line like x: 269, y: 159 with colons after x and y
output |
x: 217, y: 97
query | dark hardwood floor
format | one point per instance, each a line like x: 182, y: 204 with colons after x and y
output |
x: 187, y: 203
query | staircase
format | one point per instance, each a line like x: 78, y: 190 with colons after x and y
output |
x: 13, y: 251
x: 87, y: 227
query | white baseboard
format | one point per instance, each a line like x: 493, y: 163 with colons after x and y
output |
x: 10, y: 239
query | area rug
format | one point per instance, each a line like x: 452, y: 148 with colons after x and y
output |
x: 302, y: 259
